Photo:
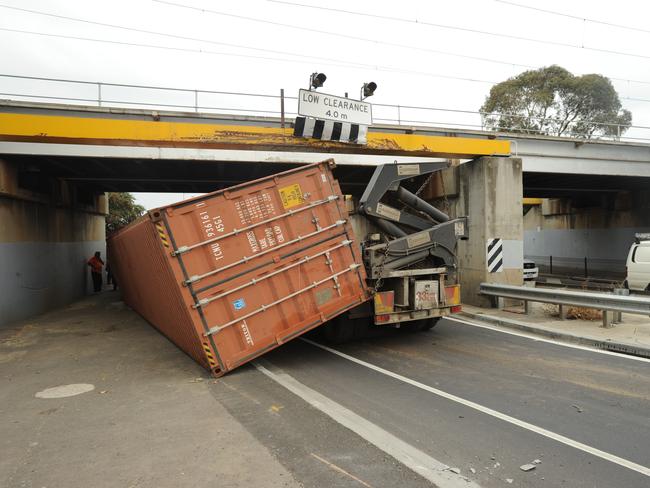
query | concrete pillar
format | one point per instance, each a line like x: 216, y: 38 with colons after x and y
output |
x: 490, y: 193
x: 45, y: 240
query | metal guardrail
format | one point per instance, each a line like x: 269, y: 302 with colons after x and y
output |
x: 606, y: 302
x: 105, y: 94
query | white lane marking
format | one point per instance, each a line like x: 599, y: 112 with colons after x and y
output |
x: 534, y: 337
x: 494, y: 413
x: 418, y: 461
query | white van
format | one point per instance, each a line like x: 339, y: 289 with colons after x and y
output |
x: 638, y: 264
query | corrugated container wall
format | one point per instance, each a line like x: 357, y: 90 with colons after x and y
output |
x: 235, y: 273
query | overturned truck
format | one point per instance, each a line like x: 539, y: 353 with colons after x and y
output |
x: 233, y: 274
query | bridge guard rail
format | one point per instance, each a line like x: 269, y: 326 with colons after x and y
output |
x: 612, y: 305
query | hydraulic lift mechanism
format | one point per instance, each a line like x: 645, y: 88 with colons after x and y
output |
x: 409, y: 251
x: 424, y: 232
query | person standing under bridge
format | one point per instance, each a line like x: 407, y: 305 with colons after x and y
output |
x: 96, y: 265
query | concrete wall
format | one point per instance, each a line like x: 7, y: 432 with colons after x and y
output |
x: 602, y: 233
x: 489, y: 191
x: 46, y: 237
x: 605, y: 249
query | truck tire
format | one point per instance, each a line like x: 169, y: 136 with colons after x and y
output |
x: 420, y: 325
x: 429, y: 324
x: 338, y: 330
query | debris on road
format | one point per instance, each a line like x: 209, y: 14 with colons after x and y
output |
x: 509, y: 480
x: 472, y: 470
x: 537, y: 461
x: 454, y: 470
x: 527, y: 467
x: 578, y: 408
x: 583, y: 313
x: 64, y: 391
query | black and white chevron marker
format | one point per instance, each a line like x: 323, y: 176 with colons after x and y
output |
x: 328, y: 130
x: 495, y: 255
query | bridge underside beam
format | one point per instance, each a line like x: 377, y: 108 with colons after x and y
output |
x: 169, y: 175
x: 554, y: 185
x: 102, y: 130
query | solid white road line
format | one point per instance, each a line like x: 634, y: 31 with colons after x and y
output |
x: 494, y: 413
x: 534, y: 337
x: 418, y: 461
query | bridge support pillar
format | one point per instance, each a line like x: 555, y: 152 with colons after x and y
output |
x: 48, y: 230
x: 489, y: 191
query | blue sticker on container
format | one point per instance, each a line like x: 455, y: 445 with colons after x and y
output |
x: 239, y: 304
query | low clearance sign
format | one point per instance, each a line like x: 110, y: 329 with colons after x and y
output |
x: 330, y: 107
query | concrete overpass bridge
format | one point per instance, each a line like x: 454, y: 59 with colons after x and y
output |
x: 145, y: 150
x: 56, y: 162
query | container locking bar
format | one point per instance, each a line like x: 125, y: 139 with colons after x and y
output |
x: 262, y: 308
x: 245, y: 259
x: 234, y: 232
x: 205, y: 301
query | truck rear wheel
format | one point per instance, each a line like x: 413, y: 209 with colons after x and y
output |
x: 421, y: 325
x: 343, y: 329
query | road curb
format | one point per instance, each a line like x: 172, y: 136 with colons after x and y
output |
x: 618, y: 347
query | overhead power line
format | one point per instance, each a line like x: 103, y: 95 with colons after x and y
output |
x: 152, y: 46
x: 462, y: 29
x: 576, y: 17
x: 365, y: 39
x: 324, y: 61
x: 157, y: 33
x: 252, y: 56
x: 335, y: 61
x: 338, y: 34
x: 332, y: 61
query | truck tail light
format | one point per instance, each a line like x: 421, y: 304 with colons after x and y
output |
x: 382, y: 318
x: 456, y: 309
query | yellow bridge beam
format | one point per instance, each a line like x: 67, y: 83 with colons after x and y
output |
x: 531, y: 201
x: 115, y: 131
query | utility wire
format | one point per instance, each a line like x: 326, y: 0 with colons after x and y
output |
x: 336, y: 61
x: 576, y: 17
x: 338, y: 34
x: 332, y: 61
x: 265, y: 58
x: 204, y: 51
x: 324, y: 60
x: 156, y: 33
x: 462, y: 29
x: 364, y: 39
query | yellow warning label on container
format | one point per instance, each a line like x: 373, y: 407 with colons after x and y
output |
x: 291, y: 196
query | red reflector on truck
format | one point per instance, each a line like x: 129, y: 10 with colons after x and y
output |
x: 452, y: 293
x: 382, y: 318
x: 384, y: 302
x: 456, y: 309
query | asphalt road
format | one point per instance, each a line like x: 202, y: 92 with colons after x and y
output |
x: 477, y: 400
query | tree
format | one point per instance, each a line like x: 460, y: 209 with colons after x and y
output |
x: 552, y: 101
x: 122, y: 210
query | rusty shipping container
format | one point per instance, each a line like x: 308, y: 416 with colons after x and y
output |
x: 235, y: 273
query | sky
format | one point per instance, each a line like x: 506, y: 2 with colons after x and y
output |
x: 444, y: 55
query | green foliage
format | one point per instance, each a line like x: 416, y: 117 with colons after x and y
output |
x: 122, y: 210
x: 552, y: 101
